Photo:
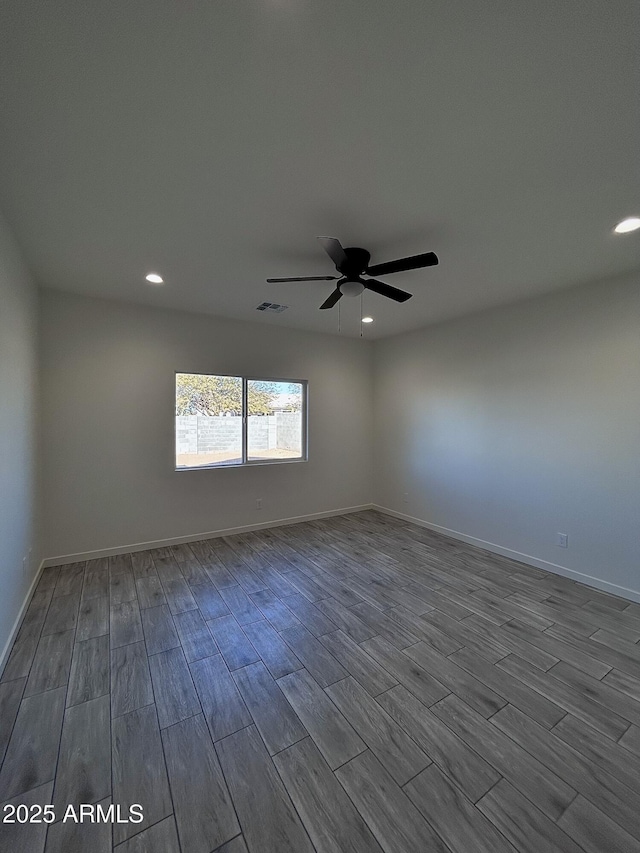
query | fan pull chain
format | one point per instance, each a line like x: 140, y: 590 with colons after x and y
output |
x: 338, y: 316
x: 361, y: 313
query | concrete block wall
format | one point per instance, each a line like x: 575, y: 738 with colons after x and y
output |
x: 187, y: 434
x: 219, y: 433
x: 259, y: 431
x: 287, y: 429
x: 204, y: 434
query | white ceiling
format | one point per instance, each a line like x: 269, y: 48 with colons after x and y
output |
x: 212, y: 141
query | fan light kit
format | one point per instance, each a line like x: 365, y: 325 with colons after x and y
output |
x: 154, y: 278
x: 351, y: 288
x: 630, y: 224
x: 353, y: 263
x: 367, y: 320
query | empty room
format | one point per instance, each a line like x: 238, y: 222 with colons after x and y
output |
x: 319, y: 427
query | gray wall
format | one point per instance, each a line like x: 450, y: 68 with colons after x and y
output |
x: 18, y: 390
x: 521, y: 422
x: 108, y: 373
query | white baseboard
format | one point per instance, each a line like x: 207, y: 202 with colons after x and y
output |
x: 545, y: 565
x: 196, y: 537
x: 18, y: 621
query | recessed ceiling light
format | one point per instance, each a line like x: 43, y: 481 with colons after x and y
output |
x: 154, y: 278
x: 367, y: 319
x: 630, y: 224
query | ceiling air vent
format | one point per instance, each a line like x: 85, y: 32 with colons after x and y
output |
x: 273, y: 307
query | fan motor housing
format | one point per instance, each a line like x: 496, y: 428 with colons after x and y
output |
x: 356, y: 263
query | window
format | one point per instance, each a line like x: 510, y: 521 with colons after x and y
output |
x: 231, y: 420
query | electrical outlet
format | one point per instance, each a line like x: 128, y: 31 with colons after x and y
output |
x: 259, y: 503
x: 562, y: 540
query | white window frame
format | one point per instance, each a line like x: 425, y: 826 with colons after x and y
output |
x: 246, y: 462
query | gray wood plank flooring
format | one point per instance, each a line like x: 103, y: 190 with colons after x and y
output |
x: 461, y: 764
x: 139, y: 772
x: 349, y: 684
x: 396, y: 750
x: 195, y: 637
x: 125, y: 623
x: 130, y: 679
x: 159, y: 630
x: 31, y: 756
x: 71, y: 837
x: 204, y: 812
x: 275, y: 718
x: 175, y: 694
x: 51, y: 664
x: 11, y: 693
x: 268, y: 818
x: 24, y: 648
x: 330, y: 817
x: 394, y: 820
x: 316, y: 658
x: 162, y: 837
x: 525, y: 826
x: 406, y: 669
x: 275, y: 653
x: 26, y: 838
x: 83, y: 774
x: 93, y: 619
x: 89, y: 676
x: 438, y: 799
x: 333, y: 735
x: 236, y: 649
x: 223, y: 706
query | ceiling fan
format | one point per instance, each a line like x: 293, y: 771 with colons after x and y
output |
x: 353, y: 263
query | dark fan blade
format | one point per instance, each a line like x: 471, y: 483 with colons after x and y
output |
x: 333, y: 248
x: 307, y: 278
x: 331, y: 301
x: 429, y: 259
x: 386, y: 290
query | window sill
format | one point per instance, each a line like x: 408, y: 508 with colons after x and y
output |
x: 251, y: 464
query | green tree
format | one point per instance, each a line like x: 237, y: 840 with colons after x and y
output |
x: 260, y: 395
x: 198, y: 394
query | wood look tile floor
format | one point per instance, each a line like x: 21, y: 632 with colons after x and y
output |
x: 354, y: 684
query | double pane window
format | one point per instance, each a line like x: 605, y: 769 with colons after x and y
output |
x: 232, y: 420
